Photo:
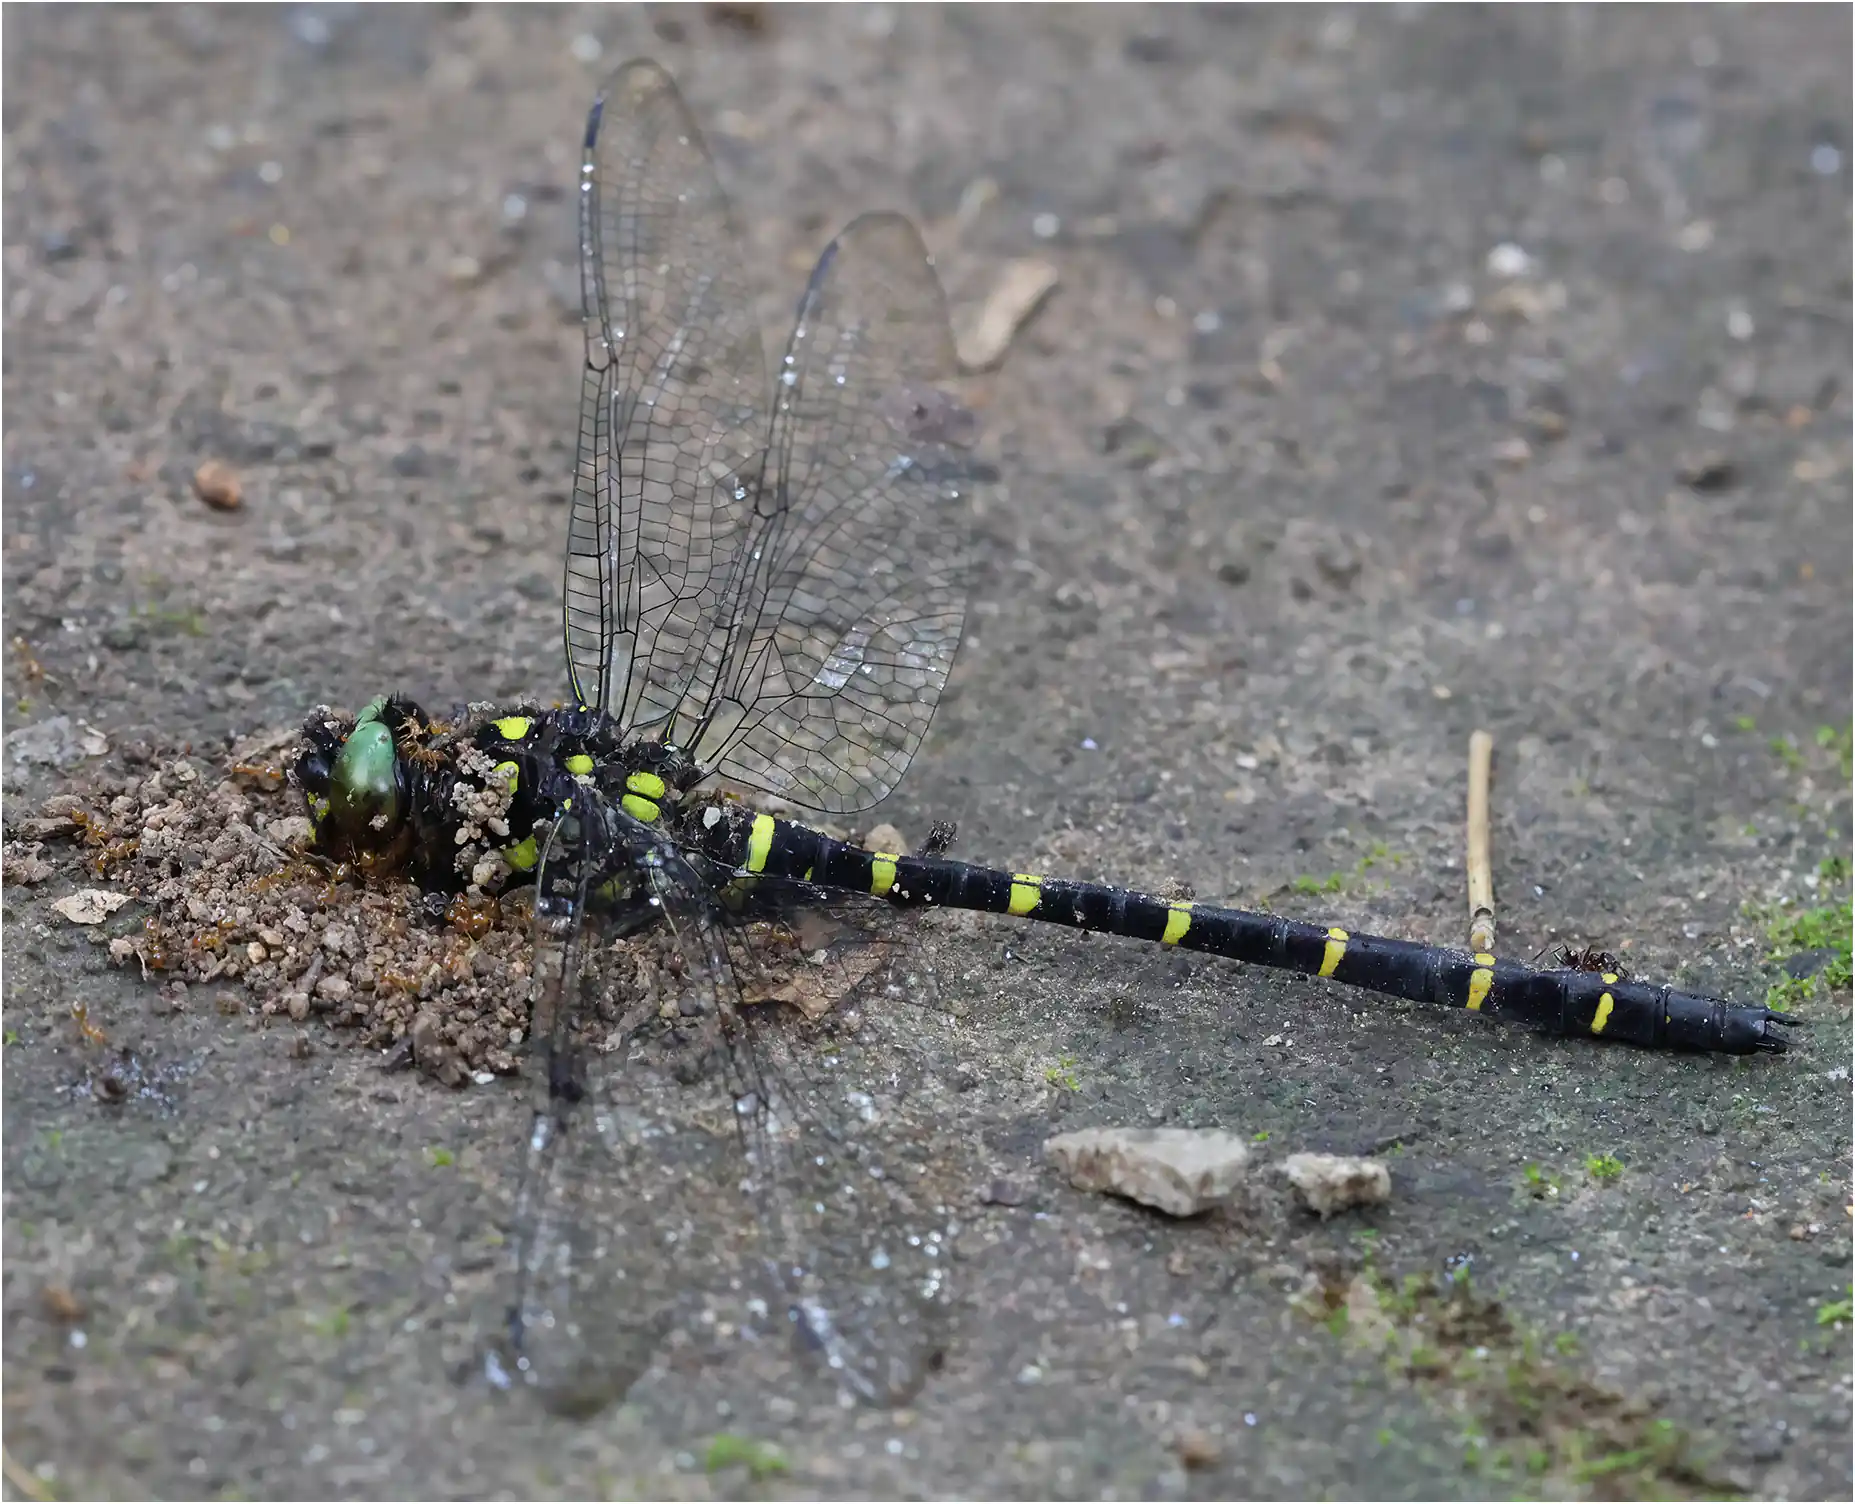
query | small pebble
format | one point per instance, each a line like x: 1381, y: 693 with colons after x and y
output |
x: 1712, y: 470
x: 61, y: 1304
x: 216, y: 483
x: 1509, y: 260
x: 885, y: 838
x: 1197, y: 1449
x: 1545, y: 423
x: 1513, y: 451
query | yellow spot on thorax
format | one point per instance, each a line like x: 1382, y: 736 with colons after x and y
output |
x: 1178, y: 921
x: 1026, y: 893
x: 882, y: 872
x: 1335, y: 952
x: 1604, y: 1005
x: 759, y: 843
x: 579, y: 764
x: 647, y: 784
x: 514, y: 727
x: 639, y: 809
x: 523, y: 855
x: 509, y: 773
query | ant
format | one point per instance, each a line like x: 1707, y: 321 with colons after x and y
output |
x: 1589, y: 958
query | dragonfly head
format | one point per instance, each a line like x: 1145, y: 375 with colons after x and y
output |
x: 357, y: 783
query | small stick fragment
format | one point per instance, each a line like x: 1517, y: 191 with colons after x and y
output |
x: 28, y: 1483
x: 1481, y: 878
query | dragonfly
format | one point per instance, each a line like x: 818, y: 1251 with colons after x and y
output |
x: 766, y: 582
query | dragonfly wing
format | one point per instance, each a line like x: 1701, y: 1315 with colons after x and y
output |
x: 857, y: 1231
x: 638, y: 1145
x: 672, y: 412
x: 779, y: 582
x: 617, y: 1169
x: 847, y: 606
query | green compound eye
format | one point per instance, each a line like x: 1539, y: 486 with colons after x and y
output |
x: 364, y: 791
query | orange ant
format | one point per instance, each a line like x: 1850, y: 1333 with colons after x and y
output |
x: 80, y: 1014
x: 156, y: 949
x: 414, y: 743
x: 114, y: 855
x: 270, y: 775
x: 215, y: 938
x: 29, y: 665
x: 471, y: 916
x: 96, y: 834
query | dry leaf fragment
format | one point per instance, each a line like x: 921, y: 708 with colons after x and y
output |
x: 1018, y: 293
x: 90, y: 905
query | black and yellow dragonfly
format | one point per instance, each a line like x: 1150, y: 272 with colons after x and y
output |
x: 767, y: 583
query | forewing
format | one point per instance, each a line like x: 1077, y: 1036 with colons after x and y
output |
x: 848, y: 603
x: 672, y: 412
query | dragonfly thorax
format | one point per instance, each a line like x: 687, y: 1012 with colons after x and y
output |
x: 456, y: 804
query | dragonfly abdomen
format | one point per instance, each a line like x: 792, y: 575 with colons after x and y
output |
x: 1602, y: 1005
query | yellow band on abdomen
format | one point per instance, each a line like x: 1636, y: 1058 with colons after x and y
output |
x: 882, y: 872
x: 1178, y: 921
x: 1026, y: 893
x: 1334, y: 953
x: 1604, y: 1005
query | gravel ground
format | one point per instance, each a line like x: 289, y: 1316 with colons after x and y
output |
x: 1409, y: 371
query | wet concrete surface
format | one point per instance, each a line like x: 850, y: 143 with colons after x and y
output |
x: 1410, y: 371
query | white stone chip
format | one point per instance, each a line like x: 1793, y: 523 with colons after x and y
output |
x: 1329, y: 1183
x: 1179, y: 1171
